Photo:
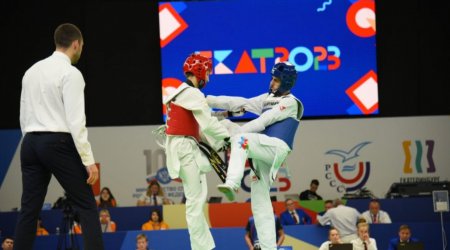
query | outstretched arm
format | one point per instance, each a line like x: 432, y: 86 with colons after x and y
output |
x: 235, y: 104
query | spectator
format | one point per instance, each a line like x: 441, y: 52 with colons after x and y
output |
x: 361, y: 220
x: 294, y: 216
x: 154, y: 196
x: 251, y: 236
x: 333, y: 238
x: 41, y: 231
x: 310, y: 194
x: 76, y: 228
x: 8, y: 243
x: 106, y: 199
x: 106, y: 224
x: 404, y: 236
x: 375, y: 215
x: 141, y: 242
x: 343, y: 218
x: 327, y: 205
x: 364, y: 242
x: 156, y: 222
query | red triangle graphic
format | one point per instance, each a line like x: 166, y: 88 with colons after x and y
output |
x: 245, y: 65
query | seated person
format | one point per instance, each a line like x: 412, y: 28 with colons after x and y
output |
x: 294, y: 216
x: 311, y: 193
x: 327, y: 205
x: 141, y: 242
x: 251, y: 236
x: 41, y: 231
x: 76, y: 228
x: 404, y: 236
x: 106, y: 224
x: 333, y: 238
x: 364, y: 242
x: 8, y: 243
x: 106, y: 199
x: 154, y: 196
x: 375, y: 215
x: 156, y: 222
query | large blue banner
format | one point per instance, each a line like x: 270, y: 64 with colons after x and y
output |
x: 331, y: 43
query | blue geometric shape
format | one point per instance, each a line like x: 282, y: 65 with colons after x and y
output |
x: 354, y: 110
x: 178, y: 6
x: 9, y: 140
x: 220, y: 55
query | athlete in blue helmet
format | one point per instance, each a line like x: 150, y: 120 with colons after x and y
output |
x: 266, y: 140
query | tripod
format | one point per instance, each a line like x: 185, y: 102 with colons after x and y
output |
x: 67, y: 240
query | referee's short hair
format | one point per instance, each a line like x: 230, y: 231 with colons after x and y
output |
x: 65, y: 34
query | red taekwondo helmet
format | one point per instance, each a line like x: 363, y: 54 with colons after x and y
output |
x: 198, y: 65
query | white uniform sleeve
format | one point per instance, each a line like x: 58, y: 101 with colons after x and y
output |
x: 73, y: 98
x: 324, y: 219
x: 286, y: 108
x: 194, y: 100
x: 233, y: 103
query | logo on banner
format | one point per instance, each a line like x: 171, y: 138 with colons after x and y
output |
x: 418, y: 161
x: 351, y: 172
x: 318, y: 58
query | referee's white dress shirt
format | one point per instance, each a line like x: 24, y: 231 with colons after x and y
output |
x: 52, y: 100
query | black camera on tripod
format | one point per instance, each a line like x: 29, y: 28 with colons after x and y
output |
x: 64, y: 203
x: 69, y: 212
x: 67, y: 240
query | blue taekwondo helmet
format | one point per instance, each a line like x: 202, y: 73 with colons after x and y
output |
x: 285, y: 71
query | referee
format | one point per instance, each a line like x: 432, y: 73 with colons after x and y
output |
x: 55, y: 140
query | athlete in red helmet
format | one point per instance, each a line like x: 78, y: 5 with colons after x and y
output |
x: 189, y: 120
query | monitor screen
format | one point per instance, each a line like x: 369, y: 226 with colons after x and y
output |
x: 343, y: 246
x: 411, y: 246
x: 331, y: 43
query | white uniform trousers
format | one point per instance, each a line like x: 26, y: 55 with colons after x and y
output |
x: 196, y: 191
x: 267, y: 154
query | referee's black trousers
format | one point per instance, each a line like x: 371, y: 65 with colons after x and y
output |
x: 43, y: 154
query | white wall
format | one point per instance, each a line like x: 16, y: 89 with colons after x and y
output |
x: 129, y: 154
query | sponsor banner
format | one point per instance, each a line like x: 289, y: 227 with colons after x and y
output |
x: 345, y: 155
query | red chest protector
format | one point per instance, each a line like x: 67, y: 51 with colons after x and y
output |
x: 181, y: 121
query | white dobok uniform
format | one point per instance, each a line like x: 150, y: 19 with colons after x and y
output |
x: 267, y: 140
x: 189, y: 119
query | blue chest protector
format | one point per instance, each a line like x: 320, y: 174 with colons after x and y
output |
x: 285, y: 130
